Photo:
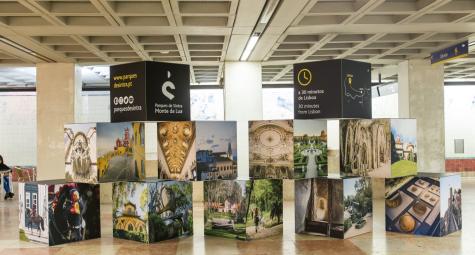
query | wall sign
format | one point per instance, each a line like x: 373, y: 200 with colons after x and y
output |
x: 458, y: 50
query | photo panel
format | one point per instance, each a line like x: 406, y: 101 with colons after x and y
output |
x: 75, y: 213
x: 33, y: 210
x: 358, y: 205
x: 80, y: 153
x: 413, y: 205
x: 226, y: 206
x: 170, y: 208
x: 216, y: 150
x: 177, y: 150
x: 265, y: 208
x: 271, y: 149
x: 130, y: 211
x: 403, y: 147
x: 450, y: 204
x: 365, y: 148
x: 310, y: 148
x: 121, y: 151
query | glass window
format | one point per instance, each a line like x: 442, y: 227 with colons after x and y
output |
x: 278, y: 103
x: 27, y: 200
x: 207, y: 104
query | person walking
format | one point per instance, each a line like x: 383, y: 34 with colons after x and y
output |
x: 5, y: 171
x: 256, y: 218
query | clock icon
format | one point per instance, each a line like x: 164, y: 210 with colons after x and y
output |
x: 304, y: 77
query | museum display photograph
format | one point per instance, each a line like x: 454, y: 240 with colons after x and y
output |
x: 243, y: 209
x: 55, y: 212
x: 152, y: 211
x: 264, y: 127
x: 379, y: 148
x: 426, y: 204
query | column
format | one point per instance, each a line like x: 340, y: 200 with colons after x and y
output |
x: 242, y: 102
x: 56, y: 91
x: 421, y: 96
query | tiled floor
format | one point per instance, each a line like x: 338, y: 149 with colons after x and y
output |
x: 378, y: 242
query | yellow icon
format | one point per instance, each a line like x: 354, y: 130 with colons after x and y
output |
x: 304, y: 77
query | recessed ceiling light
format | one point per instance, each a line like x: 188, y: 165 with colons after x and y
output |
x: 164, y: 51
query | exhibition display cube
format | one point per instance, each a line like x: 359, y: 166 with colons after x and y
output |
x: 104, y: 152
x: 151, y: 211
x: 379, y: 148
x: 336, y: 88
x: 149, y: 91
x: 286, y: 149
x: 55, y: 212
x: 243, y: 209
x: 334, y: 207
x: 426, y: 204
x: 197, y: 150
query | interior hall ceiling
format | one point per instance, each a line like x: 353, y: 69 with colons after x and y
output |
x: 204, y: 34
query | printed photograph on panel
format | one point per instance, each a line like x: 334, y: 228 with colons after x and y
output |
x: 121, y: 151
x: 225, y: 208
x: 216, y: 150
x: 130, y: 211
x: 80, y: 153
x: 365, y: 148
x: 271, y: 149
x: 177, y: 150
x: 310, y: 148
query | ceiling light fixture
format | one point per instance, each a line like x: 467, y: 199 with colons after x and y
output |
x: 164, y: 51
x: 24, y: 49
x: 249, y: 47
x: 264, y: 19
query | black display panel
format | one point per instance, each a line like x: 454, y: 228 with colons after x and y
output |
x: 149, y: 91
x: 332, y: 89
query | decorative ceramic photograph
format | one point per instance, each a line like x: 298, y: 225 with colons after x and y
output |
x: 358, y: 202
x: 450, y: 204
x: 121, y: 151
x: 403, y: 147
x: 216, y: 150
x: 170, y: 208
x: 80, y: 153
x: 271, y: 149
x: 310, y: 148
x: 74, y: 212
x: 33, y: 205
x: 177, y: 150
x: 130, y: 211
x: 265, y: 208
x: 365, y: 148
x: 225, y: 208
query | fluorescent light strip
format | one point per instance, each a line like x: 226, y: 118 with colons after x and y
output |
x: 249, y: 47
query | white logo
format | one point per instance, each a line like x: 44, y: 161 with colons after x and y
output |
x: 124, y: 100
x: 168, y: 85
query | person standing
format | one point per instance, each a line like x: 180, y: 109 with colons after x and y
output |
x: 5, y: 171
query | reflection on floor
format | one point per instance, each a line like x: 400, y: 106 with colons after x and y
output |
x: 378, y: 242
